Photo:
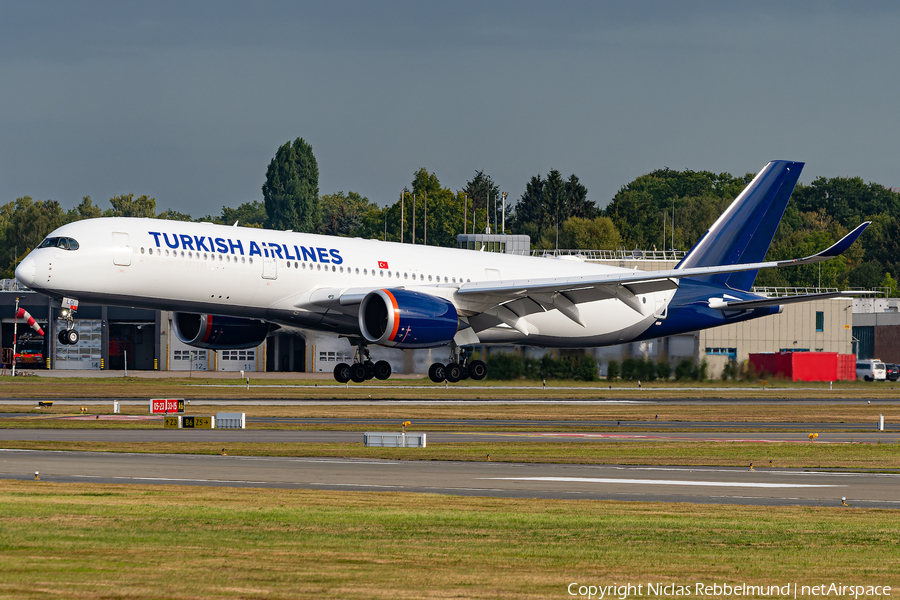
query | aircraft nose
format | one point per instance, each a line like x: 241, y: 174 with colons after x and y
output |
x: 26, y: 271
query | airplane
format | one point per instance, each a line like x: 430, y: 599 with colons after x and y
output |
x: 229, y: 286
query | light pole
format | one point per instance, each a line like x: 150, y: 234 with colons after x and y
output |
x: 402, y: 212
x: 465, y: 211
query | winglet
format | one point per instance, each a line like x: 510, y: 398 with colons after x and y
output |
x: 835, y: 249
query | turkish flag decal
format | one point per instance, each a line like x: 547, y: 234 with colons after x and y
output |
x: 382, y: 264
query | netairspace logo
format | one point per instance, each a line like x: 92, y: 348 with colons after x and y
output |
x: 722, y: 590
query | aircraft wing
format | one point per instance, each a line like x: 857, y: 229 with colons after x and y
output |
x: 509, y: 300
x: 651, y: 280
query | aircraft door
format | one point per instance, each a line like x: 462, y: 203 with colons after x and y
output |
x: 661, y: 300
x: 270, y: 269
x: 121, y: 249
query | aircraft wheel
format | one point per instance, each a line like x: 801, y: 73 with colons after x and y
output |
x: 71, y: 336
x: 61, y: 336
x: 358, y: 372
x: 453, y: 372
x: 477, y: 370
x: 342, y: 373
x: 370, y: 369
x: 382, y: 370
x: 436, y: 372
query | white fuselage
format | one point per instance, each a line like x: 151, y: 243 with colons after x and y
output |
x: 274, y: 276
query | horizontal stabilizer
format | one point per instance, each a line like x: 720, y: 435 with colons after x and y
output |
x: 778, y: 300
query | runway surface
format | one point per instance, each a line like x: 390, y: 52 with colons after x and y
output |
x: 656, y: 484
x: 281, y: 436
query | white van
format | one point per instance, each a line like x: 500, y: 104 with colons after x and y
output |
x: 870, y: 370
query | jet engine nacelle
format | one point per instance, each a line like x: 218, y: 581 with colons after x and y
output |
x: 214, y: 332
x: 407, y: 319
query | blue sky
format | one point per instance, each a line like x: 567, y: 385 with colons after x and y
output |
x: 188, y: 101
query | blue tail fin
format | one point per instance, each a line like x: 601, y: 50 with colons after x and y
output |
x: 744, y: 232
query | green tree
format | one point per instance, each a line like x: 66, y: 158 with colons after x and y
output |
x: 85, y: 210
x: 643, y: 209
x: 445, y: 214
x: 867, y: 275
x: 127, y: 205
x: 24, y: 224
x: 291, y: 190
x: 248, y: 214
x: 174, y: 215
x: 481, y: 191
x: 344, y: 214
x: 592, y: 234
x: 548, y: 203
x: 848, y: 200
x: 890, y: 285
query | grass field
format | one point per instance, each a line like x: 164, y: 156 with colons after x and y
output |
x: 882, y: 457
x: 419, y: 389
x: 112, y: 541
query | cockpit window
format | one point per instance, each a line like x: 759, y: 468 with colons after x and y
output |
x: 59, y: 242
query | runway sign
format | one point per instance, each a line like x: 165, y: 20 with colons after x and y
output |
x: 181, y: 422
x: 198, y: 422
x: 160, y: 406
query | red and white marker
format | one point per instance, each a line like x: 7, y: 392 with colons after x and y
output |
x: 23, y: 314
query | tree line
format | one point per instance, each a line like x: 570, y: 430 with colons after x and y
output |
x: 664, y: 209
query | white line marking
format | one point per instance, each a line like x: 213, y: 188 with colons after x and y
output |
x: 174, y: 479
x: 662, y: 482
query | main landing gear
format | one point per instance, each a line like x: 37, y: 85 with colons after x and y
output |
x: 362, y: 368
x: 459, y: 367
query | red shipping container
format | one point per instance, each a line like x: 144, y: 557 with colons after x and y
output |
x: 846, y: 367
x: 806, y: 366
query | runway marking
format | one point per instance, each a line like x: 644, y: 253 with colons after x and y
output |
x: 175, y: 479
x: 635, y: 436
x: 664, y: 482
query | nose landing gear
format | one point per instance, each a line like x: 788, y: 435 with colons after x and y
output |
x: 68, y: 336
x: 459, y: 367
x: 363, y: 368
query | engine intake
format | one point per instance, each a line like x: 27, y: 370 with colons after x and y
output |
x: 407, y: 319
x: 218, y: 333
